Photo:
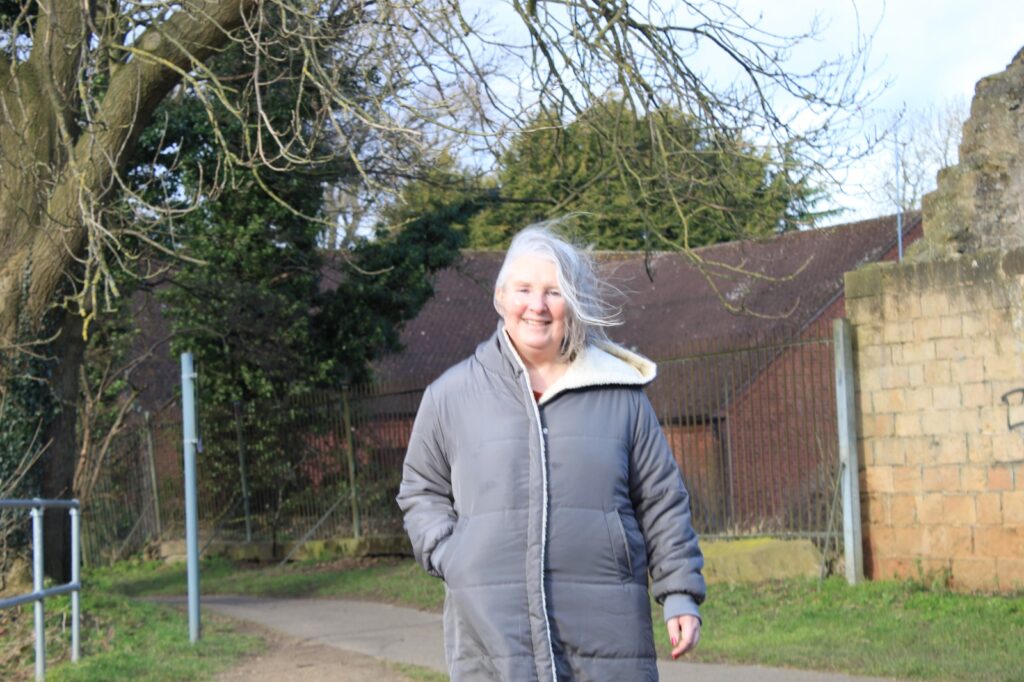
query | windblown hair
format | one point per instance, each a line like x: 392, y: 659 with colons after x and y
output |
x: 588, y: 312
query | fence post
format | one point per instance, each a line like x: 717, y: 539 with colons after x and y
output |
x: 152, y: 473
x: 241, y: 470
x: 37, y: 587
x: 76, y: 578
x: 850, y: 470
x: 188, y: 407
x: 351, y: 453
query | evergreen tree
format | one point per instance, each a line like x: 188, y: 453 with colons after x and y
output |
x: 609, y: 166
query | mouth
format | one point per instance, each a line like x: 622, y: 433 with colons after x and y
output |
x: 536, y: 323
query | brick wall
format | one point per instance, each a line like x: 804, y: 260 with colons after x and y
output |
x: 936, y: 346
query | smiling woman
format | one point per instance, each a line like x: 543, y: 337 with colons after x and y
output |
x: 538, y: 485
x: 533, y: 309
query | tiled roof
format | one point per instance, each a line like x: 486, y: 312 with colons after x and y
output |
x: 673, y: 310
x: 669, y: 302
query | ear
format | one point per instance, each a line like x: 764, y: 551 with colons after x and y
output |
x: 499, y: 299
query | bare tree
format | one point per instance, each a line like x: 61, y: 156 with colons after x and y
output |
x: 920, y: 142
x: 387, y: 84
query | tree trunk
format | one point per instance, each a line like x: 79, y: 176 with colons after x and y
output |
x: 58, y: 463
x: 52, y: 173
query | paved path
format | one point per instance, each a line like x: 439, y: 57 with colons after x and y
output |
x: 410, y: 636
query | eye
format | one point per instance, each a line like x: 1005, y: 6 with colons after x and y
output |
x: 554, y: 292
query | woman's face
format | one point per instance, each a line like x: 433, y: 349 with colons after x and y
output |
x: 533, y: 307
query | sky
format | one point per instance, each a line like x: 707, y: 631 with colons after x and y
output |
x: 929, y: 50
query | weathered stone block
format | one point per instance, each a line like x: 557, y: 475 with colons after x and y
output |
x: 1000, y: 477
x: 894, y: 377
x: 1013, y: 507
x: 879, y: 540
x: 1010, y: 573
x: 877, y: 425
x: 864, y: 283
x: 1007, y: 447
x: 907, y: 479
x: 968, y: 370
x: 976, y: 394
x: 937, y: 372
x: 1012, y: 263
x: 935, y: 423
x: 1003, y: 367
x: 965, y: 420
x: 954, y: 349
x: 937, y: 509
x: 979, y: 448
x: 974, y: 574
x: 947, y: 542
x: 903, y: 510
x: 909, y: 540
x: 951, y: 449
x: 951, y: 326
x: 888, y: 400
x: 877, y: 479
x: 974, y: 478
x: 975, y: 325
x: 998, y: 541
x: 989, y: 509
x: 946, y: 397
x: 944, y: 478
x: 888, y: 452
x: 908, y: 424
x: 918, y: 398
x: 875, y: 508
x: 918, y: 351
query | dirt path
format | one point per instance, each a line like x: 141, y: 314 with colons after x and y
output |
x: 287, y: 658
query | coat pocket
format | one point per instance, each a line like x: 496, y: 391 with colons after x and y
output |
x: 620, y: 545
x: 445, y: 553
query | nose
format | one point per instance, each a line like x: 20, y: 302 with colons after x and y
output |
x: 537, y: 302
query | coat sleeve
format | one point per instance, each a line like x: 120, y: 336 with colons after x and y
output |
x: 425, y: 495
x: 662, y: 507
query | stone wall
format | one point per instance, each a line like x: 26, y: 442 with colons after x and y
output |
x: 937, y: 345
x: 979, y: 203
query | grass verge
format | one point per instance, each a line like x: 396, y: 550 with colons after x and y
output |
x: 886, y: 629
x: 121, y: 639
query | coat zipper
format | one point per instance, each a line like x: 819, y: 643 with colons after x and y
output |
x: 544, y: 509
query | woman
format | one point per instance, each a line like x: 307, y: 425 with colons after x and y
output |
x: 540, y: 488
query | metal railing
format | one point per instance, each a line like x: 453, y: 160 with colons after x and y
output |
x: 751, y: 422
x: 38, y: 594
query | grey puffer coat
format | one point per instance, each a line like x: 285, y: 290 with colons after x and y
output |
x: 543, y: 517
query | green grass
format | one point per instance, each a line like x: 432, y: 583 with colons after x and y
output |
x: 121, y: 639
x: 392, y: 581
x: 886, y: 629
x: 417, y: 674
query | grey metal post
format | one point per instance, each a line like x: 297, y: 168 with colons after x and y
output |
x: 241, y: 471
x: 847, y: 423
x: 188, y: 407
x: 899, y: 191
x: 76, y: 562
x: 37, y: 587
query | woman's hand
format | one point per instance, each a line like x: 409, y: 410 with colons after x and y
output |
x: 684, y: 633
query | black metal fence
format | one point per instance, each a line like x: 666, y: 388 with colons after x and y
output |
x: 751, y: 424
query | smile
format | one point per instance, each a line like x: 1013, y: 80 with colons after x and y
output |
x: 536, y: 323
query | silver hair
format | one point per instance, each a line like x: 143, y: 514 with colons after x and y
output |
x: 588, y: 312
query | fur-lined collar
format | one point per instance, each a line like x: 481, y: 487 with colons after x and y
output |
x: 601, y: 364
